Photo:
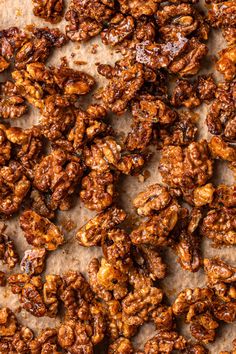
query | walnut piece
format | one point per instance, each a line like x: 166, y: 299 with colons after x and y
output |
x: 40, y: 232
x: 226, y: 65
x: 33, y: 262
x: 49, y: 10
x: 8, y: 252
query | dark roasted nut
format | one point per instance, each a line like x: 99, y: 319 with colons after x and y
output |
x: 218, y: 271
x: 13, y: 188
x: 186, y: 167
x: 125, y: 79
x: 87, y: 126
x: 59, y: 174
x: 2, y: 278
x: 117, y: 326
x: 87, y: 19
x: 40, y: 205
x: 188, y: 244
x: 163, y: 317
x: 34, y: 261
x: 12, y: 104
x: 219, y: 226
x: 196, y: 349
x: 119, y: 29
x: 222, y: 14
x: 221, y: 116
x: 105, y: 279
x: 5, y: 146
x: 76, y: 296
x: 182, y: 19
x: 8, y: 253
x: 149, y: 260
x: 203, y: 195
x: 138, y: 305
x: 165, y: 342
x: 226, y: 65
x: 40, y: 232
x: 116, y: 247
x: 185, y: 94
x: 98, y: 190
x: 49, y: 10
x: 74, y: 337
x: 138, y: 8
x: 156, y: 229
x: 92, y: 233
x: 206, y: 87
x: 155, y: 198
x: 106, y: 153
x: 45, y: 343
x: 219, y: 148
x: 182, y: 132
x: 121, y: 346
x: 8, y: 322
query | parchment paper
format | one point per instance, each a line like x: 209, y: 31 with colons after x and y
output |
x: 71, y: 255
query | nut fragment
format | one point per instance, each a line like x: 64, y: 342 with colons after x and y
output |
x: 33, y: 261
x: 49, y: 10
x: 40, y: 232
x: 226, y: 65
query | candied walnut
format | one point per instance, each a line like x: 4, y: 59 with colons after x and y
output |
x: 106, y: 153
x: 221, y: 116
x: 121, y: 346
x: 182, y: 19
x: 125, y: 79
x: 187, y: 247
x: 117, y: 326
x: 156, y: 229
x: 22, y: 339
x: 8, y: 322
x: 196, y: 349
x: 119, y: 29
x: 34, y: 261
x: 116, y: 247
x: 37, y: 47
x: 74, y: 337
x: 8, y: 252
x: 182, y: 132
x: 98, y: 190
x: 219, y: 148
x: 58, y: 173
x: 222, y: 14
x: 187, y: 63
x: 87, y: 126
x: 105, y: 279
x: 224, y: 196
x: 76, y: 296
x: 185, y: 94
x: 140, y: 136
x: 29, y: 291
x: 155, y: 198
x: 196, y: 305
x: 229, y: 34
x: 5, y: 146
x: 206, y: 87
x: 188, y: 167
x: 219, y: 226
x: 149, y: 260
x: 226, y: 65
x: 165, y: 342
x: 218, y: 271
x: 46, y: 342
x: 50, y: 294
x: 138, y: 305
x: 138, y: 8
x: 2, y: 278
x: 12, y: 104
x: 203, y: 195
x: 40, y: 205
x: 87, y: 18
x: 14, y: 186
x: 163, y: 317
x: 40, y: 232
x: 92, y: 233
x: 49, y: 10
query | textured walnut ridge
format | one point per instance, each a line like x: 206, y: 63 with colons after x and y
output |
x: 73, y: 155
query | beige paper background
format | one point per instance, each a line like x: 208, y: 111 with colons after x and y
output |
x: 71, y: 255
